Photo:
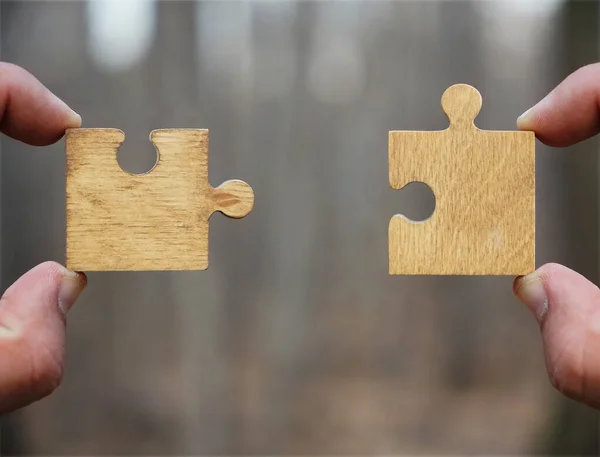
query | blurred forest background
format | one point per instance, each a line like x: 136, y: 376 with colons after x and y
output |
x: 296, y: 340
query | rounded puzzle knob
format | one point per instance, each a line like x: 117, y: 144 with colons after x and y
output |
x: 462, y: 104
x: 234, y: 198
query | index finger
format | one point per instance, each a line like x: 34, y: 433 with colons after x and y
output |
x: 570, y: 113
x: 29, y: 112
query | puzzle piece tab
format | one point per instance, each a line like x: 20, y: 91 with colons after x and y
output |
x: 484, y: 186
x: 153, y: 221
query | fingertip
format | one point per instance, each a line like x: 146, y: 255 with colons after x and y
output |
x: 535, y: 289
x: 535, y: 120
x: 569, y: 113
x: 554, y: 288
x: 525, y: 120
x: 72, y: 119
x: 50, y: 279
x: 549, y: 275
x: 72, y: 284
x: 530, y: 290
x: 29, y: 111
x: 61, y: 274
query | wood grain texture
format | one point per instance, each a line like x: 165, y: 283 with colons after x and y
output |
x: 153, y: 221
x: 484, y: 186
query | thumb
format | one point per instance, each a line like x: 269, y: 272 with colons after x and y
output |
x: 567, y: 307
x: 32, y: 333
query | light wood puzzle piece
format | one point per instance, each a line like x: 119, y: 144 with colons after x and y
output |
x: 153, y: 221
x: 484, y: 187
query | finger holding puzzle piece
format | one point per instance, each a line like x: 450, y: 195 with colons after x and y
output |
x: 484, y: 186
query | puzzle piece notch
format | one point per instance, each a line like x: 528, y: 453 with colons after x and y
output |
x: 484, y: 186
x: 157, y: 220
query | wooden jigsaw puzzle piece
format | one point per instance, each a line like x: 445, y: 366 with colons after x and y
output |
x: 152, y: 221
x: 484, y: 185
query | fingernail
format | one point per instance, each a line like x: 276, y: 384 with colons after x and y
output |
x: 530, y: 290
x: 524, y: 115
x: 72, y: 119
x: 71, y: 286
x: 524, y: 121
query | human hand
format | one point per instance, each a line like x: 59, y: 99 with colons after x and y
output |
x: 566, y: 304
x: 33, y: 310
